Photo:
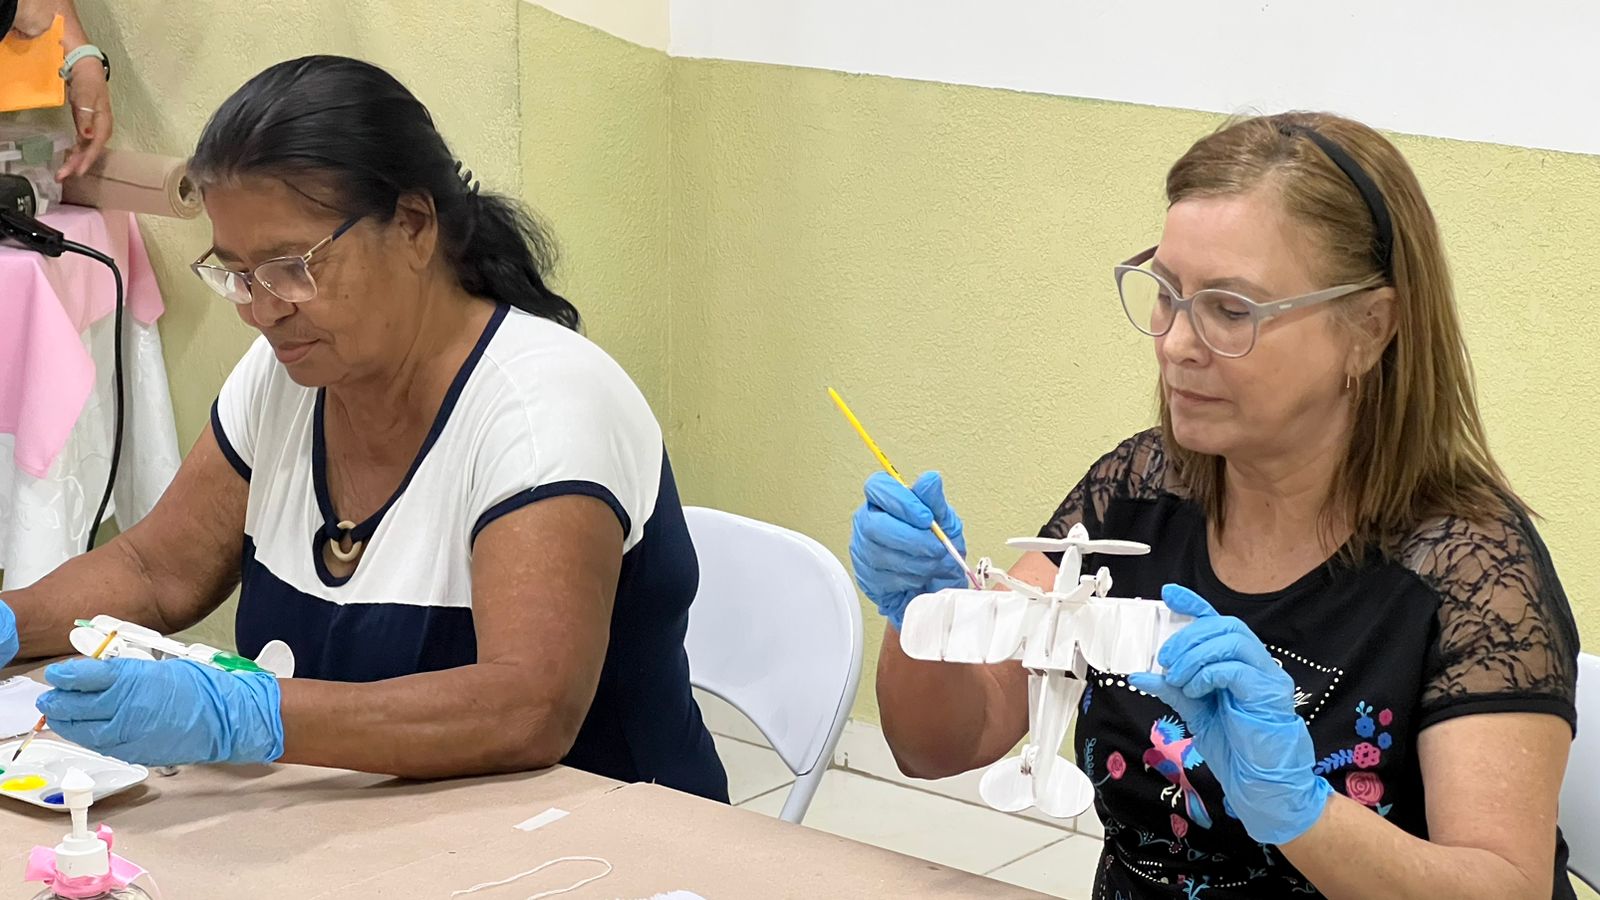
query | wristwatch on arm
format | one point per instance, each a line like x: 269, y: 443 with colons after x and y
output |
x: 80, y: 54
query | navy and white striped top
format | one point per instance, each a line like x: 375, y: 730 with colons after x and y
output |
x: 536, y: 411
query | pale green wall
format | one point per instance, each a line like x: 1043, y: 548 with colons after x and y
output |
x: 594, y: 163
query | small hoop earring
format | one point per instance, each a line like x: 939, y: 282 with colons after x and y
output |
x: 1349, y: 383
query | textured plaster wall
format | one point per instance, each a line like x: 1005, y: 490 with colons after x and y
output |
x: 595, y: 132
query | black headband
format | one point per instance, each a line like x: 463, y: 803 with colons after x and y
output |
x: 1364, y: 184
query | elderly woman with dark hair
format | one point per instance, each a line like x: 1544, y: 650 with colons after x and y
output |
x: 455, y: 510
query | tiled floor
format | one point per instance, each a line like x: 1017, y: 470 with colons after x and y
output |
x: 1026, y: 852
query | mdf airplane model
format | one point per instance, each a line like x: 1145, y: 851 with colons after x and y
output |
x: 115, y: 638
x: 1058, y: 635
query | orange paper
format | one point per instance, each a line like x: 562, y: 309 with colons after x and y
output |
x: 30, y: 70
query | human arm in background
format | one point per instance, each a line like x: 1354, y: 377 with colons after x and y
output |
x: 1492, y: 780
x: 30, y: 18
x: 88, y: 96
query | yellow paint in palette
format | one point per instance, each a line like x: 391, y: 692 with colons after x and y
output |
x: 37, y: 779
x: 23, y: 784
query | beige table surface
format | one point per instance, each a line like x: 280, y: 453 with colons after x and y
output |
x: 290, y: 832
x: 659, y: 840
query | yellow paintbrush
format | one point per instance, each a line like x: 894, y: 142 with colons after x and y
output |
x: 895, y: 474
x: 40, y: 727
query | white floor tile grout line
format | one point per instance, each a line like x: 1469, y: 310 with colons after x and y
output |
x: 1068, y: 825
x: 1067, y: 835
x: 1055, y: 843
x: 1068, y: 832
x: 870, y: 776
x: 745, y: 803
x: 739, y: 740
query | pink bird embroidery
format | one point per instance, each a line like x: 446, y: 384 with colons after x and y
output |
x: 1172, y: 755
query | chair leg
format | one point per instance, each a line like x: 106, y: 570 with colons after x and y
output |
x: 799, y: 799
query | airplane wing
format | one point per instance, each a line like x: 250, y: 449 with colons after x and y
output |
x: 1107, y: 546
x: 1122, y: 635
x: 1111, y: 634
x: 967, y: 626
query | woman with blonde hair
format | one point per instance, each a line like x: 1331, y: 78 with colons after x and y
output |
x: 1376, y: 697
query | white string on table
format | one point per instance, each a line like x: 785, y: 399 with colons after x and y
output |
x: 539, y: 868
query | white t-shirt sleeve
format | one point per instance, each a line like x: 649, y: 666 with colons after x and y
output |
x: 565, y: 419
x: 236, y: 416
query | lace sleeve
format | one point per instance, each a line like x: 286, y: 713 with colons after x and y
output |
x: 1506, y: 637
x: 1137, y: 466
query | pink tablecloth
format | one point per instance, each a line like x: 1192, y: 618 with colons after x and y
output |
x: 46, y: 372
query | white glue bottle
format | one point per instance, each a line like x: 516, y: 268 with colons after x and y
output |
x: 83, y: 858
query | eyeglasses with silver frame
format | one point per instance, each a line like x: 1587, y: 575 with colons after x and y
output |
x: 287, y: 277
x: 1226, y: 321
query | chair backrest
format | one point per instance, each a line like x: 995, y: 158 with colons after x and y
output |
x: 776, y: 631
x: 1580, y: 790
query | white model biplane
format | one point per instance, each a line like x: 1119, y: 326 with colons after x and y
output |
x: 1058, y: 635
x: 108, y: 637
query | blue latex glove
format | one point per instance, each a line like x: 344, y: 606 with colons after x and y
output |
x: 893, y: 551
x: 166, y: 713
x: 1239, y: 706
x: 8, y: 634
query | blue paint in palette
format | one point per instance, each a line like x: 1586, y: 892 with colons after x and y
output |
x: 37, y: 778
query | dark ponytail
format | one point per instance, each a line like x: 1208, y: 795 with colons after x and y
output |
x: 353, y: 132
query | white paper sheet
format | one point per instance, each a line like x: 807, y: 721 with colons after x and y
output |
x: 542, y: 819
x: 17, y: 712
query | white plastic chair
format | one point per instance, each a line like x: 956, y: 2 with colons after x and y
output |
x: 776, y: 631
x: 1580, y: 791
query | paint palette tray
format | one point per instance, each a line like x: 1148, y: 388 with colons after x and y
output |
x: 36, y: 777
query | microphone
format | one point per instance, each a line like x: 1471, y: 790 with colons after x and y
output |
x: 31, y: 233
x: 17, y: 192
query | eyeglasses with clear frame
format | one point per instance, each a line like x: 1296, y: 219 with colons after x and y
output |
x: 1226, y: 321
x: 287, y: 277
